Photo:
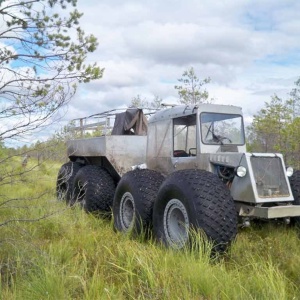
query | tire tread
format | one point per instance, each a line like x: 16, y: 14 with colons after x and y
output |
x: 210, y: 204
x: 99, y: 188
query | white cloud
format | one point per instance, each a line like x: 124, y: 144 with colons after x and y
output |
x: 182, y: 44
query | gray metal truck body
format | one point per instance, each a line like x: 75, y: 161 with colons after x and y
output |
x: 208, y: 137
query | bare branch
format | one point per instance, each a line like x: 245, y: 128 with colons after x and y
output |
x: 40, y: 64
x: 32, y: 220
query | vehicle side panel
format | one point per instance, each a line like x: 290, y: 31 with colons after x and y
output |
x: 122, y: 151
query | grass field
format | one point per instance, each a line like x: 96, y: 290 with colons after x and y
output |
x: 72, y: 255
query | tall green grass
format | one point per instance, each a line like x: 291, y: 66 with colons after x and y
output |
x: 72, y: 255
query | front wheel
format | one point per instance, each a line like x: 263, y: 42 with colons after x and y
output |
x: 194, y: 199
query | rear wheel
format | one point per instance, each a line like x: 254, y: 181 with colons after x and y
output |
x: 295, y: 186
x: 94, y: 189
x: 194, y: 199
x: 134, y: 198
x: 65, y: 180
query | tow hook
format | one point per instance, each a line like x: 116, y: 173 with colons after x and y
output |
x: 246, y: 222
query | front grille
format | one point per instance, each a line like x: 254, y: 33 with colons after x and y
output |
x: 269, y: 177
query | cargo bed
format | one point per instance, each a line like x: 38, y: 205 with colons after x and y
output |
x: 122, y: 151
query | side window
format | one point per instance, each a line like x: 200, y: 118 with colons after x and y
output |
x: 184, y: 136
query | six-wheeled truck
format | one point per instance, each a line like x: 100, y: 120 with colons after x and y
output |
x: 184, y: 170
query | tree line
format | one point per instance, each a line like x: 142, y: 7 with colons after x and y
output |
x: 276, y: 127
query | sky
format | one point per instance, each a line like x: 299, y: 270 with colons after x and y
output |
x: 249, y: 49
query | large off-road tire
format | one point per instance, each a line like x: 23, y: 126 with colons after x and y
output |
x: 94, y: 189
x: 194, y: 199
x: 65, y: 180
x: 295, y: 186
x: 134, y: 198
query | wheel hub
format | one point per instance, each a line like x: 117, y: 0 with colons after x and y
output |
x: 176, y: 224
x: 127, y: 211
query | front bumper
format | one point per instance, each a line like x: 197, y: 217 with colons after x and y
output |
x: 280, y: 211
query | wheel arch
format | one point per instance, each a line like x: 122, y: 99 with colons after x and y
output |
x: 101, y: 161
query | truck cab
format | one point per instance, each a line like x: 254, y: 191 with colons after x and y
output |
x: 212, y: 138
x: 186, y: 136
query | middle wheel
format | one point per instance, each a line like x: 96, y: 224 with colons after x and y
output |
x: 93, y: 189
x: 134, y: 198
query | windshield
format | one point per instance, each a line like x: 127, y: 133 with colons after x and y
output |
x: 222, y: 129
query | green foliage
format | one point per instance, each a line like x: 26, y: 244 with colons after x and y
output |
x: 73, y: 255
x: 138, y: 102
x: 42, y: 59
x: 295, y: 99
x: 269, y: 125
x: 190, y: 90
x: 275, y: 128
x: 3, y: 150
x: 292, y: 135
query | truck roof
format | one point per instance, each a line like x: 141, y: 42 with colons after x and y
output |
x: 185, y: 110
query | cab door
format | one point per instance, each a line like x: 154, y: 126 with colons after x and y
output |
x: 184, y: 143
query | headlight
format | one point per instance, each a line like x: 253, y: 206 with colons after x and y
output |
x: 241, y: 171
x: 289, y: 171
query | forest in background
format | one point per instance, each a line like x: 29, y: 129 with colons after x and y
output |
x: 275, y: 128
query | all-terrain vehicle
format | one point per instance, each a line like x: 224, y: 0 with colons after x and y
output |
x: 184, y: 168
